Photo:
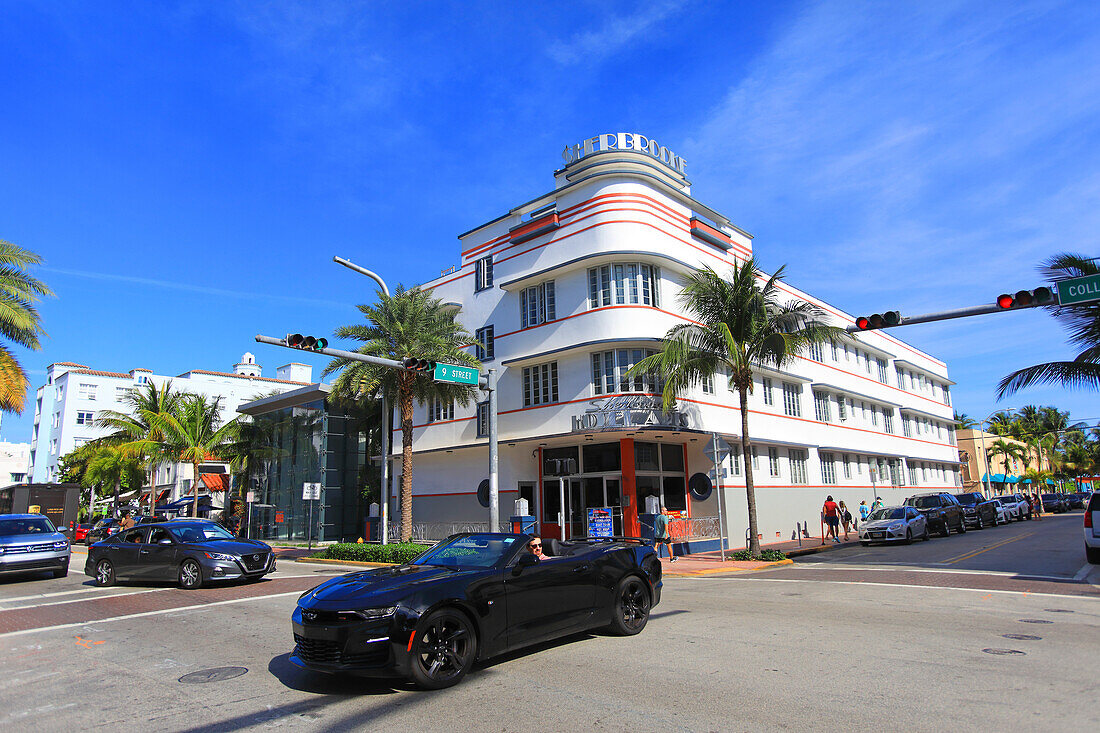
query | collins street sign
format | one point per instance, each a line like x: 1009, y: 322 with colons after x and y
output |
x: 1079, y: 290
x: 456, y: 374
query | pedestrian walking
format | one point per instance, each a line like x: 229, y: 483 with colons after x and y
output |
x: 661, y: 534
x: 864, y: 510
x: 831, y: 514
x: 1036, y: 507
x: 877, y: 504
x: 846, y: 519
x: 127, y: 521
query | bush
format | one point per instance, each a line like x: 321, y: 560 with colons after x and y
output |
x: 764, y: 556
x: 366, y: 552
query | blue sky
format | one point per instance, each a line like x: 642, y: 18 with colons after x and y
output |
x: 188, y: 170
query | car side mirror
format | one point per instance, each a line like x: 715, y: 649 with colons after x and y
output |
x: 165, y: 541
x: 525, y: 560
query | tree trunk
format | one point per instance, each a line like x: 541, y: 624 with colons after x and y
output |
x: 746, y: 452
x: 118, y: 488
x: 195, y: 486
x: 406, y: 402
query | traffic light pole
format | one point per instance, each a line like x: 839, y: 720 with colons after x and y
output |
x: 975, y: 310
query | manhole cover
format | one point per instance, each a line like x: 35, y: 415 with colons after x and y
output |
x: 1034, y: 621
x: 217, y: 674
x: 1058, y: 610
x: 1022, y: 637
x: 1002, y: 651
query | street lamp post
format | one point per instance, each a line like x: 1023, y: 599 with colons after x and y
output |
x: 383, y: 494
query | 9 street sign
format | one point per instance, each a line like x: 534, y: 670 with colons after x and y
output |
x: 456, y: 374
x: 1079, y: 290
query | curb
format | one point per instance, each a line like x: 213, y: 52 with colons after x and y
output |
x: 820, y: 548
x: 327, y: 561
x: 696, y: 573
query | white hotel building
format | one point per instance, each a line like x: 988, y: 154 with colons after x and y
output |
x: 66, y: 407
x: 571, y: 288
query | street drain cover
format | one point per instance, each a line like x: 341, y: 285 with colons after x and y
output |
x: 1022, y: 637
x: 1002, y: 651
x: 217, y: 674
x: 1034, y: 621
x: 1058, y: 610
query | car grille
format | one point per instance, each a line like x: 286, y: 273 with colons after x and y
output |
x: 255, y: 561
x: 29, y: 548
x: 319, y: 651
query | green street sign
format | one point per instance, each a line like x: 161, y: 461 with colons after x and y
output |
x: 456, y: 374
x: 1079, y: 290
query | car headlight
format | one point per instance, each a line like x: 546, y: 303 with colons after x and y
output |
x: 60, y: 545
x: 372, y: 614
x: 3, y: 550
x: 219, y: 556
x: 895, y: 526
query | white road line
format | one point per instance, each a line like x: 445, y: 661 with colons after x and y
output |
x: 49, y: 595
x: 1084, y: 571
x: 952, y: 571
x: 147, y: 613
x: 83, y: 600
x: 865, y: 584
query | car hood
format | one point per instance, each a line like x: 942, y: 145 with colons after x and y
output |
x: 376, y: 585
x: 881, y: 523
x: 38, y: 538
x: 234, y: 547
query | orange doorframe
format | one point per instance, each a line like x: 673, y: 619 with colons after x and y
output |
x: 629, y: 488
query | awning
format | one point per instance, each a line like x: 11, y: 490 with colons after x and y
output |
x: 1026, y: 481
x: 215, y: 481
x: 1050, y: 481
x: 997, y: 478
x: 185, y: 503
x: 1012, y: 480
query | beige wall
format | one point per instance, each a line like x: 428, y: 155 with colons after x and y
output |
x: 975, y: 462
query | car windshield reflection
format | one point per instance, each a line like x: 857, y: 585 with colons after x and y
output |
x: 887, y: 513
x: 474, y: 550
x: 201, y: 532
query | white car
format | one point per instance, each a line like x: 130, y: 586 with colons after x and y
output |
x: 1007, y: 509
x: 1092, y: 529
x: 893, y: 524
x: 1017, y: 506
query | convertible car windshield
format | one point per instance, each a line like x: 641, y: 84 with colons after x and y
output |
x: 200, y: 532
x: 887, y: 513
x: 474, y: 550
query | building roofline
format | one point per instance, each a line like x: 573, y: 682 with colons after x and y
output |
x: 309, y: 393
x: 240, y: 376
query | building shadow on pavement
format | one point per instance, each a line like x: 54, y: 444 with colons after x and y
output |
x: 346, y: 685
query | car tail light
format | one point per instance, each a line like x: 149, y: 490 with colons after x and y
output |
x: 1088, y: 520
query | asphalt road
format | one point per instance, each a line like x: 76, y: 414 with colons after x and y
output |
x: 793, y: 647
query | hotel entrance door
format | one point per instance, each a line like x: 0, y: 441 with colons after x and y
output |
x: 591, y: 492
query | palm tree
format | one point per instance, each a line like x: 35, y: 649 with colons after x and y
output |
x: 19, y: 320
x: 135, y: 431
x: 738, y: 323
x: 408, y: 323
x: 1083, y: 323
x: 1008, y: 451
x: 965, y: 421
x: 111, y: 466
x: 1001, y: 422
x: 191, y: 435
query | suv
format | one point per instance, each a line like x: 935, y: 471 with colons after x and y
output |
x: 31, y: 542
x: 1054, y: 503
x: 942, y: 511
x: 978, y: 510
x: 1016, y: 507
x: 1092, y: 529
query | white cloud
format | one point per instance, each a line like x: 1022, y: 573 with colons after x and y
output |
x: 617, y: 32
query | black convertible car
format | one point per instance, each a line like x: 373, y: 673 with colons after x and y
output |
x: 190, y: 551
x: 471, y: 597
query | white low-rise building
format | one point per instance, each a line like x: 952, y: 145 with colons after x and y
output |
x: 570, y: 289
x: 67, y: 406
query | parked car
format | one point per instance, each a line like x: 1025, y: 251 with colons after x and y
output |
x: 893, y: 524
x: 978, y: 511
x: 1005, y: 510
x: 1092, y: 529
x: 1073, y: 501
x: 193, y: 552
x: 80, y: 531
x: 30, y: 542
x: 1016, y: 506
x: 470, y: 597
x: 1054, y: 503
x: 102, y: 529
x: 942, y: 511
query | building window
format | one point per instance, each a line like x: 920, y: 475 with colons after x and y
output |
x: 847, y: 466
x: 951, y: 435
x: 792, y: 404
x: 766, y: 388
x: 708, y: 384
x: 905, y: 429
x: 483, y: 274
x: 821, y: 407
x: 797, y: 458
x: 53, y: 445
x: 896, y: 477
x: 773, y: 461
x: 881, y: 370
x: 84, y: 417
x: 828, y: 469
x: 755, y: 459
x: 609, y: 370
x: 483, y: 343
x: 835, y: 349
x: 121, y: 393
x: 867, y: 360
x: 628, y: 283
x: 59, y: 393
x: 913, y: 475
x: 901, y: 377
x: 56, y: 419
x: 946, y: 395
x: 874, y: 415
x: 735, y: 462
x: 841, y: 407
x: 483, y: 419
x: 439, y: 410
x: 87, y: 391
x: 141, y: 379
x: 540, y: 384
x: 815, y: 351
x: 888, y: 420
x: 536, y: 304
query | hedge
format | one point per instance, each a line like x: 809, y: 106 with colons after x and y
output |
x: 769, y: 555
x: 366, y: 552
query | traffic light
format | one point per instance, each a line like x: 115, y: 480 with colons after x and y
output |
x: 308, y: 343
x: 1026, y: 299
x: 878, y: 320
x: 418, y: 365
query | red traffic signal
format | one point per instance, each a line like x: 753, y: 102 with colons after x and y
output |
x: 1026, y: 299
x: 887, y: 319
x: 308, y: 343
x: 418, y: 365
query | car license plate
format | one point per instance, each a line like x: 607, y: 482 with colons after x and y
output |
x: 877, y: 535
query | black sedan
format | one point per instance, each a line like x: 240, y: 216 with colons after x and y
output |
x: 192, y: 552
x: 472, y: 596
x: 1054, y: 503
x: 978, y: 511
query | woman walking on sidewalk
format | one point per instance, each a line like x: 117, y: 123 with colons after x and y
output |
x: 830, y: 513
x: 846, y: 519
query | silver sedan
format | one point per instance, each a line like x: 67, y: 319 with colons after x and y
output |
x: 893, y: 524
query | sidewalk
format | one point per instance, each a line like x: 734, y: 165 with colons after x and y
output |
x: 706, y: 563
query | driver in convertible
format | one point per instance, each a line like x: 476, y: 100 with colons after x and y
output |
x: 535, y: 546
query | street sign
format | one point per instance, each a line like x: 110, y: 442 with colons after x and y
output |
x: 724, y: 449
x: 250, y: 497
x: 456, y: 374
x: 311, y: 491
x: 1078, y: 290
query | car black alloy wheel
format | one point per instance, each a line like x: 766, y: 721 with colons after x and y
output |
x: 632, y: 606
x: 908, y: 536
x: 104, y: 573
x: 962, y: 526
x: 190, y: 576
x: 444, y: 649
x: 927, y: 535
x: 981, y: 524
x: 946, y: 528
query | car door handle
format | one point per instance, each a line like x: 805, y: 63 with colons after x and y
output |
x: 581, y: 569
x: 143, y: 552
